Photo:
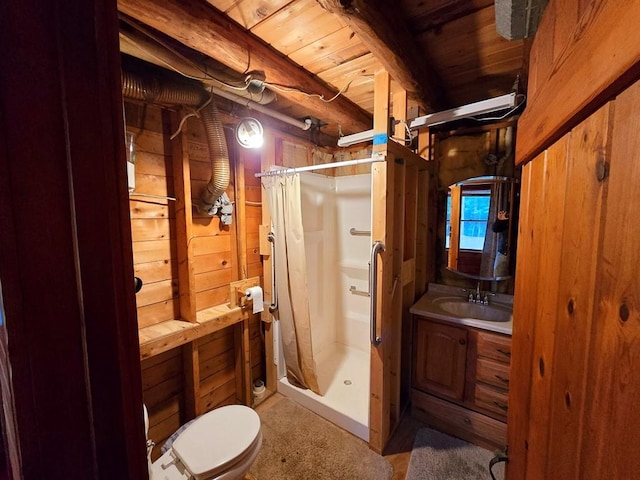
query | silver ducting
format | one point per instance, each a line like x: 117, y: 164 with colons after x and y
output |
x: 219, y: 157
x: 248, y: 87
x: 153, y: 90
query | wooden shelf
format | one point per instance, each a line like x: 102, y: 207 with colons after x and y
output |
x: 164, y: 336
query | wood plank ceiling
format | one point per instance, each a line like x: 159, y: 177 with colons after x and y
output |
x: 444, y: 52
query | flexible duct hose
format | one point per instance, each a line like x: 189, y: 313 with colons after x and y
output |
x: 136, y: 87
x: 219, y: 157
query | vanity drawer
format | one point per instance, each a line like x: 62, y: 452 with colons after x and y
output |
x: 458, y: 421
x: 497, y: 347
x: 492, y: 372
x: 495, y: 401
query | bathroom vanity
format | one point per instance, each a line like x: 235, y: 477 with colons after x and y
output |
x: 460, y: 379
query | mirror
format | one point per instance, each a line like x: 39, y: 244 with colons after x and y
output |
x: 480, y: 230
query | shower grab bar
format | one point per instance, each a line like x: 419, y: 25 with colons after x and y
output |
x: 376, y: 248
x: 362, y: 233
x: 355, y: 291
x: 274, y: 292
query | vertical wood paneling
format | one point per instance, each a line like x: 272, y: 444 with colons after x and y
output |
x: 241, y: 213
x: 454, y: 242
x: 383, y: 175
x: 191, y: 361
x: 610, y: 441
x: 581, y: 243
x: 548, y: 274
x: 524, y: 312
x: 576, y: 334
x: 184, y: 221
x: 395, y: 329
x: 423, y: 248
x: 408, y: 289
x: 272, y: 153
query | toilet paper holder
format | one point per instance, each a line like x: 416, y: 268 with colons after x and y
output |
x: 238, y: 297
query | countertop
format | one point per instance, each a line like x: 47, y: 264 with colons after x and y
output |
x: 426, y: 307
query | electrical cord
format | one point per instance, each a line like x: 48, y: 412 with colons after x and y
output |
x: 497, y: 459
x: 502, y: 117
x: 291, y: 89
x: 195, y: 113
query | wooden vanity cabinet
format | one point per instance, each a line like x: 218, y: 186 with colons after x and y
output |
x: 461, y: 380
x: 441, y: 357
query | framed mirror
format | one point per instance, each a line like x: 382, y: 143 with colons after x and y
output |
x: 479, y: 231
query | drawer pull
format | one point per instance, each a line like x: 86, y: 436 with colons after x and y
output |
x: 467, y: 420
x: 501, y: 406
x: 506, y: 353
x: 502, y: 379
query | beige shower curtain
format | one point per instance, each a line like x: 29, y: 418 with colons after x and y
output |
x: 283, y: 196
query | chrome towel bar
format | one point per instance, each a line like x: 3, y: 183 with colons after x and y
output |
x: 355, y: 291
x: 360, y: 233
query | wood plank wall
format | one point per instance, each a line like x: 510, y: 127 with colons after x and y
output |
x: 222, y: 254
x: 153, y: 220
x: 215, y: 262
x: 216, y: 265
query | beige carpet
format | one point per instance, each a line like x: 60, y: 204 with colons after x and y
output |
x: 298, y: 444
x: 436, y: 456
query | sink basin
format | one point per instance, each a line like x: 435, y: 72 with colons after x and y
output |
x: 464, y: 309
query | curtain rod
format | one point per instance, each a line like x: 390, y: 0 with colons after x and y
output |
x: 346, y: 163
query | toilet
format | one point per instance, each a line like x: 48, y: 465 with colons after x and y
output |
x: 219, y: 445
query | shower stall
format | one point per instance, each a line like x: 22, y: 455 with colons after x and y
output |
x: 358, y: 341
x: 336, y: 217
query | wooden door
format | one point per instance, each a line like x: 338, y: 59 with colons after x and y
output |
x: 574, y: 383
x: 441, y: 356
x: 574, y: 380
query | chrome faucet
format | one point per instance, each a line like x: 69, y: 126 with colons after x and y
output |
x: 480, y: 296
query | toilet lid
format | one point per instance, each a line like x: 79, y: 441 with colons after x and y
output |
x: 216, y: 439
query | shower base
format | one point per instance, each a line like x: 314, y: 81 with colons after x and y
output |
x: 343, y: 377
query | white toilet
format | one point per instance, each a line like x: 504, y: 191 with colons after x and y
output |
x: 219, y: 445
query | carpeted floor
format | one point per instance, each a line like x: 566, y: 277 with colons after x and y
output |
x: 436, y: 456
x: 298, y: 444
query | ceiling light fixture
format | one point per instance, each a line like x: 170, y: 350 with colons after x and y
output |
x: 249, y: 133
x: 490, y: 105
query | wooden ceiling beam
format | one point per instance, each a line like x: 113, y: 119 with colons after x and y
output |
x: 434, y: 17
x: 205, y: 29
x: 381, y: 27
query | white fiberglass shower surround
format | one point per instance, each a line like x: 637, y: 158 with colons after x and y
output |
x: 336, y: 217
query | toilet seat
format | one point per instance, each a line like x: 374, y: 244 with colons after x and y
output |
x: 218, y: 440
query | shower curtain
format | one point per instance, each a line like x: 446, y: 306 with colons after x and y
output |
x: 283, y: 196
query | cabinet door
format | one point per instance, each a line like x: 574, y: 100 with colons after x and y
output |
x: 441, y: 355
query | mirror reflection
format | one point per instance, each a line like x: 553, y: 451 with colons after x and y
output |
x: 479, y: 228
